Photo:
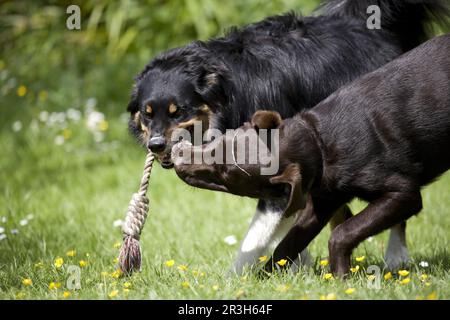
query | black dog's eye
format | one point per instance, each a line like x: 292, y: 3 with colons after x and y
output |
x: 148, y: 110
x: 174, y: 110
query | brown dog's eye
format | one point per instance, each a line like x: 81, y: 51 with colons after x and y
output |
x: 149, y: 110
x: 173, y: 109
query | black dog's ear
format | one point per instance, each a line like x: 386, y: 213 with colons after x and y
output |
x: 297, y: 198
x: 263, y: 119
x: 133, y: 105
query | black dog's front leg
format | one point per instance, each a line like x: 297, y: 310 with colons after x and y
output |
x: 380, y: 214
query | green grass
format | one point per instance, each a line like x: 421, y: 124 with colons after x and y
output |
x: 76, y: 191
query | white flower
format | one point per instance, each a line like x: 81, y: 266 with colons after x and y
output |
x: 23, y: 222
x: 73, y: 114
x: 370, y: 239
x: 230, y: 240
x: 59, y: 140
x: 2, y: 236
x: 17, y: 126
x: 94, y: 119
x: 423, y: 264
x: 43, y: 116
x: 3, y: 220
x: 2, y: 230
x: 14, y: 231
x: 117, y: 223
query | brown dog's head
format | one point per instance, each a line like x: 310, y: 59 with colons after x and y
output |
x: 193, y: 163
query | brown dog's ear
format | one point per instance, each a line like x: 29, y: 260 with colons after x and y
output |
x: 292, y: 176
x: 263, y: 119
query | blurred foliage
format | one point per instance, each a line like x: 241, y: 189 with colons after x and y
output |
x: 117, y: 38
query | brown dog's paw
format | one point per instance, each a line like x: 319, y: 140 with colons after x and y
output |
x: 263, y: 119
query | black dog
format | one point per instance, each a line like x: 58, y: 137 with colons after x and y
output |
x: 283, y: 63
x: 381, y: 138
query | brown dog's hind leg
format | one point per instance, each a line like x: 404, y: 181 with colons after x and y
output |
x: 380, y: 214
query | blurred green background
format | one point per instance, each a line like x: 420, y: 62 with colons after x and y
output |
x: 68, y: 166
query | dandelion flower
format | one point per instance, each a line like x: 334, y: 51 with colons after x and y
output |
x: 22, y: 91
x: 215, y: 287
x: 388, y: 276
x: 405, y: 281
x: 182, y: 267
x: 66, y: 294
x: 432, y: 296
x: 127, y: 285
x: 371, y: 277
x: 282, y: 262
x: 350, y: 290
x: 169, y: 263
x: 328, y: 276
x: 71, y: 253
x: 113, y: 294
x: 185, y: 284
x: 262, y: 258
x: 354, y: 269
x: 54, y: 285
x: 423, y: 277
x: 58, y: 263
x: 323, y: 262
x: 115, y: 260
x: 117, y: 245
x: 82, y: 263
x: 360, y: 259
x: 116, y: 274
x: 27, y: 282
x: 403, y: 273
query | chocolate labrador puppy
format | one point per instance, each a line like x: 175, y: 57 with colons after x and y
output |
x: 381, y: 138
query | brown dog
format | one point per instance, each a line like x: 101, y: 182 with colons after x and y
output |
x: 380, y: 139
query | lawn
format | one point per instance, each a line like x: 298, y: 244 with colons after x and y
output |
x: 68, y: 176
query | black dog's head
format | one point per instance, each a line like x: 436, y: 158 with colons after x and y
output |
x: 175, y: 90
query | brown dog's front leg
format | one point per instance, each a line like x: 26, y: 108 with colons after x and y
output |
x: 379, y: 215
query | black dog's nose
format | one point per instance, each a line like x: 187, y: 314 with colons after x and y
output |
x: 157, y: 144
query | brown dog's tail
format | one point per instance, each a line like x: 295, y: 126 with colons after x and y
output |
x: 411, y: 22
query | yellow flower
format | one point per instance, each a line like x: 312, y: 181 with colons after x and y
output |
x: 328, y: 276
x: 117, y: 245
x: 432, y: 296
x: 185, y: 284
x: 39, y: 265
x: 182, y: 267
x: 21, y: 91
x: 116, y: 274
x: 43, y: 95
x: 371, y: 277
x: 103, y: 125
x: 240, y: 293
x: 127, y: 285
x: 20, y: 295
x: 202, y: 274
x: 66, y: 294
x: 354, y: 269
x: 350, y: 290
x: 388, y: 276
x: 169, y: 263
x: 323, y: 262
x: 71, y: 253
x: 27, y: 282
x: 54, y: 285
x: 282, y: 262
x: 113, y: 294
x: 58, y: 262
x: 330, y: 296
x: 283, y: 288
x: 403, y: 273
x: 126, y: 291
x: 67, y: 134
x: 427, y: 284
x: 262, y: 258
x: 360, y: 259
x: 423, y: 277
x: 115, y: 260
x: 405, y: 281
x: 82, y: 263
x: 215, y: 287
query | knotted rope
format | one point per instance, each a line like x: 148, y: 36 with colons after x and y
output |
x: 130, y: 253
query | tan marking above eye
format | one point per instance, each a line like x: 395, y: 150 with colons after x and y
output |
x: 172, y: 108
x: 149, y: 109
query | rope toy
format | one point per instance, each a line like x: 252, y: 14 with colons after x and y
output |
x: 130, y: 252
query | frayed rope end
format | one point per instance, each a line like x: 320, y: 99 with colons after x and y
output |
x: 130, y: 256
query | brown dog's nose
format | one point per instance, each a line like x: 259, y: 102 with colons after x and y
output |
x: 157, y: 144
